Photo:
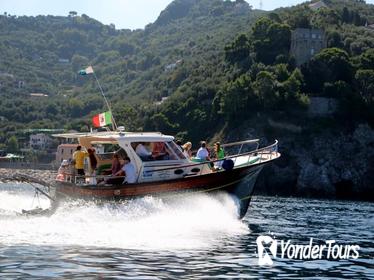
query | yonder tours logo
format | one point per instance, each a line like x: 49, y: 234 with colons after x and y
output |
x: 267, y: 249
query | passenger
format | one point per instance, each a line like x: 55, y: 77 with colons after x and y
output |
x: 219, y: 154
x: 116, y: 164
x: 186, y: 148
x: 203, y: 153
x: 93, y: 159
x: 72, y: 169
x: 63, y: 171
x: 128, y: 170
x: 159, y: 151
x: 142, y: 152
x: 92, y: 166
x: 78, y: 158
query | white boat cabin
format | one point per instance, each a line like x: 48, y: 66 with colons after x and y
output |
x: 148, y: 152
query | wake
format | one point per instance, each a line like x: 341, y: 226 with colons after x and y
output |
x: 148, y: 223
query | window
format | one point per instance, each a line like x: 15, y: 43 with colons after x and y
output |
x: 177, y: 150
x: 151, y: 151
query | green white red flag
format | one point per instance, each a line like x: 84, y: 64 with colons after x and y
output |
x: 102, y: 119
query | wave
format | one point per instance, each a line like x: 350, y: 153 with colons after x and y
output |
x: 184, y: 222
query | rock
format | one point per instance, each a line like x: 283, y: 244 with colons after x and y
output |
x: 327, y: 164
x: 313, y: 180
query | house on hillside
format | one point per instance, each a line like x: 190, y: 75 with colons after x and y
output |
x: 63, y: 61
x: 305, y: 43
x: 40, y: 141
x: 65, y: 151
x: 38, y: 94
x: 20, y: 84
x: 317, y: 5
x: 172, y: 66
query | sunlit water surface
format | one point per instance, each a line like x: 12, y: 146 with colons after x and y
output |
x: 191, y: 237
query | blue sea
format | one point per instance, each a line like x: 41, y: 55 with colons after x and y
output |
x: 189, y: 237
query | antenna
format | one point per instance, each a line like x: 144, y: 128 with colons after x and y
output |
x: 260, y: 4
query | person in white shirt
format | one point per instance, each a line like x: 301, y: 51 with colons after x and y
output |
x: 142, y: 152
x: 203, y: 153
x: 127, y: 170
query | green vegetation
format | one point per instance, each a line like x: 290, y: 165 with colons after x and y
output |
x: 217, y: 62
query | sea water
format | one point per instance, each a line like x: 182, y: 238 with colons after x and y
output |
x: 190, y: 237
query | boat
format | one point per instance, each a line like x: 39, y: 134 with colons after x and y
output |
x: 170, y: 176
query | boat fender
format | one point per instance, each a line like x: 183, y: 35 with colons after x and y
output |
x: 228, y: 164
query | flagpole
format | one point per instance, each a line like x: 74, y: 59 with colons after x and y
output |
x: 114, y: 125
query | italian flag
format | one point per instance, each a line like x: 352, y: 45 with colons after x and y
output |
x: 102, y: 119
x: 87, y: 71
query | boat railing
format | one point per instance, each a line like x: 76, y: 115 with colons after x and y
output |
x: 268, y: 150
x: 87, y: 179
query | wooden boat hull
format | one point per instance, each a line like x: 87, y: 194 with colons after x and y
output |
x: 239, y: 182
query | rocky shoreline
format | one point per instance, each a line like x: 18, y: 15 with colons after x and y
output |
x: 328, y: 166
x: 45, y: 175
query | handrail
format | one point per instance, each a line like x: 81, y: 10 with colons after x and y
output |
x: 240, y: 143
x: 217, y: 160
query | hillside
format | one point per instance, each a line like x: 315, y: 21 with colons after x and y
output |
x: 44, y: 53
x: 208, y: 69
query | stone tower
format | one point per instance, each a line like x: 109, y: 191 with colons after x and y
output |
x: 305, y: 43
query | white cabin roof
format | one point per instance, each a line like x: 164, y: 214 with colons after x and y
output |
x: 113, y: 135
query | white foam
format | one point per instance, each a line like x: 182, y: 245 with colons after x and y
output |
x: 187, y: 222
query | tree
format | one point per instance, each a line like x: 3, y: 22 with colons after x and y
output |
x: 270, y: 39
x: 299, y: 18
x: 73, y: 14
x: 265, y: 89
x: 79, y: 62
x: 329, y: 65
x: 365, y: 82
x: 334, y: 40
x: 12, y: 145
x: 346, y: 15
x: 325, y: 17
x: 367, y: 59
x: 238, y: 51
x: 161, y: 123
x: 237, y: 99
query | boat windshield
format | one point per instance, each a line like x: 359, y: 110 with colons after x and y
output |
x: 106, y: 151
x: 153, y: 151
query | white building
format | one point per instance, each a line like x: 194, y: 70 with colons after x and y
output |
x: 65, y: 151
x: 40, y: 141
